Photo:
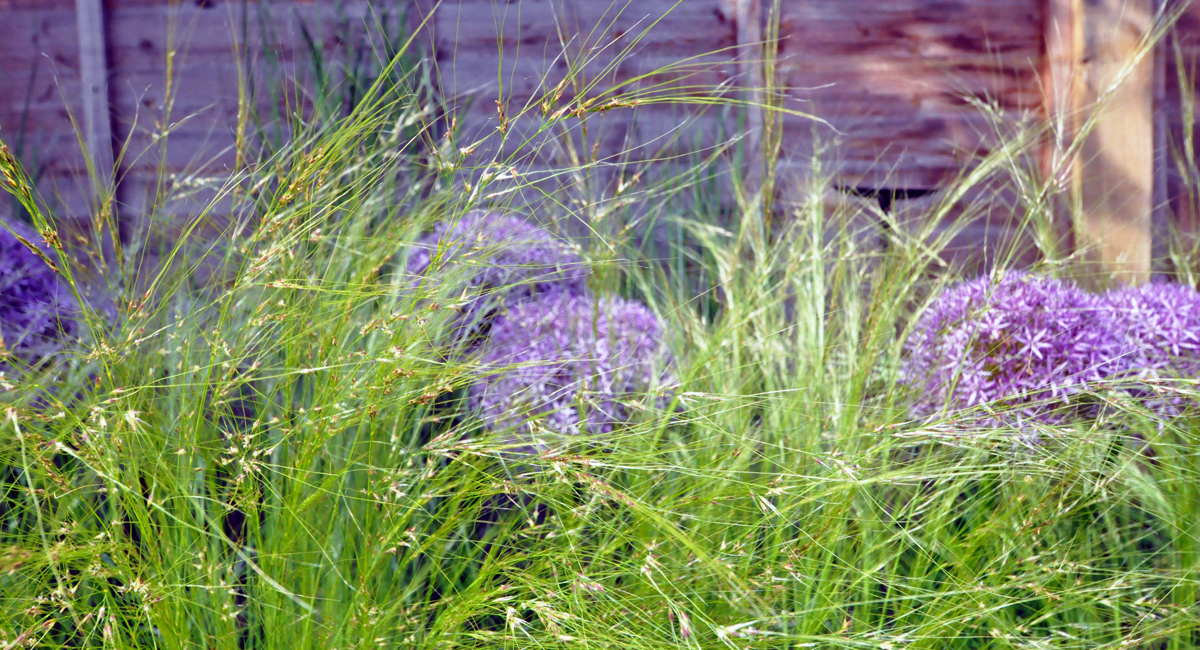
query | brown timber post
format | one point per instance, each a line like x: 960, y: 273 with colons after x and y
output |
x: 93, y: 73
x: 1102, y: 89
x: 1060, y: 90
x: 750, y: 71
x: 1117, y: 184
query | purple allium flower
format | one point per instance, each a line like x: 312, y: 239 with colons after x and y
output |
x: 35, y: 305
x: 1025, y: 345
x: 570, y: 364
x: 1162, y: 322
x: 494, y: 259
x: 1161, y: 325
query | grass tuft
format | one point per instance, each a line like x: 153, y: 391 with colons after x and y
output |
x: 264, y: 442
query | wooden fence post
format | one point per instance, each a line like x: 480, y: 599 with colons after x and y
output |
x: 1117, y: 184
x: 93, y: 73
x: 750, y: 71
x: 1101, y: 86
x: 1064, y: 57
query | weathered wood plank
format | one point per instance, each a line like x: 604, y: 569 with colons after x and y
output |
x: 1061, y: 73
x: 900, y: 72
x: 1063, y: 25
x: 512, y: 52
x: 28, y: 5
x: 93, y: 72
x: 1181, y: 106
x: 204, y: 101
x: 1116, y: 182
x: 752, y: 56
x: 892, y: 81
x: 482, y: 45
x: 39, y: 85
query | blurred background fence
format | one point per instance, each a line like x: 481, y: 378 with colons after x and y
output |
x: 910, y: 94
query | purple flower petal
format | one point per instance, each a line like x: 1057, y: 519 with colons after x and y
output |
x: 35, y: 305
x: 1159, y: 323
x: 1027, y: 345
x: 569, y: 364
x: 491, y: 259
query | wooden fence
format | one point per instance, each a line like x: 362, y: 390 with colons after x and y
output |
x: 896, y: 85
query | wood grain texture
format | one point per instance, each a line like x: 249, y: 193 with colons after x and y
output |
x: 93, y: 74
x: 202, y: 107
x: 30, y: 5
x: 39, y: 91
x: 1180, y: 107
x: 1116, y: 182
x: 1061, y: 81
x: 1060, y: 73
x: 753, y: 54
x: 1160, y: 214
x: 40, y: 85
x: 893, y: 82
x: 518, y: 53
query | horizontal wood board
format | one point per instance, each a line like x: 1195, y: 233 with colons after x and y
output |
x: 891, y: 80
x: 894, y: 81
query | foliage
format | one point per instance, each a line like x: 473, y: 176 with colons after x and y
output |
x: 266, y: 446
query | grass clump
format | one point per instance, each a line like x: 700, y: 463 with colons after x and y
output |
x: 282, y: 452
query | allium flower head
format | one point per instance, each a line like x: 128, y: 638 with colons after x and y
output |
x: 1026, y: 345
x: 570, y: 364
x: 1161, y: 326
x: 35, y: 305
x: 493, y: 259
x: 1161, y: 321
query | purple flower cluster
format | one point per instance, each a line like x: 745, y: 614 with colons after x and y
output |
x: 1026, y: 346
x: 35, y: 305
x: 570, y: 365
x: 1160, y: 323
x: 550, y: 355
x: 492, y: 259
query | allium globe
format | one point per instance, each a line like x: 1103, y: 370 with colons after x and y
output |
x: 1027, y: 346
x: 570, y: 364
x: 1161, y: 321
x: 1161, y: 326
x: 492, y: 259
x: 35, y: 305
